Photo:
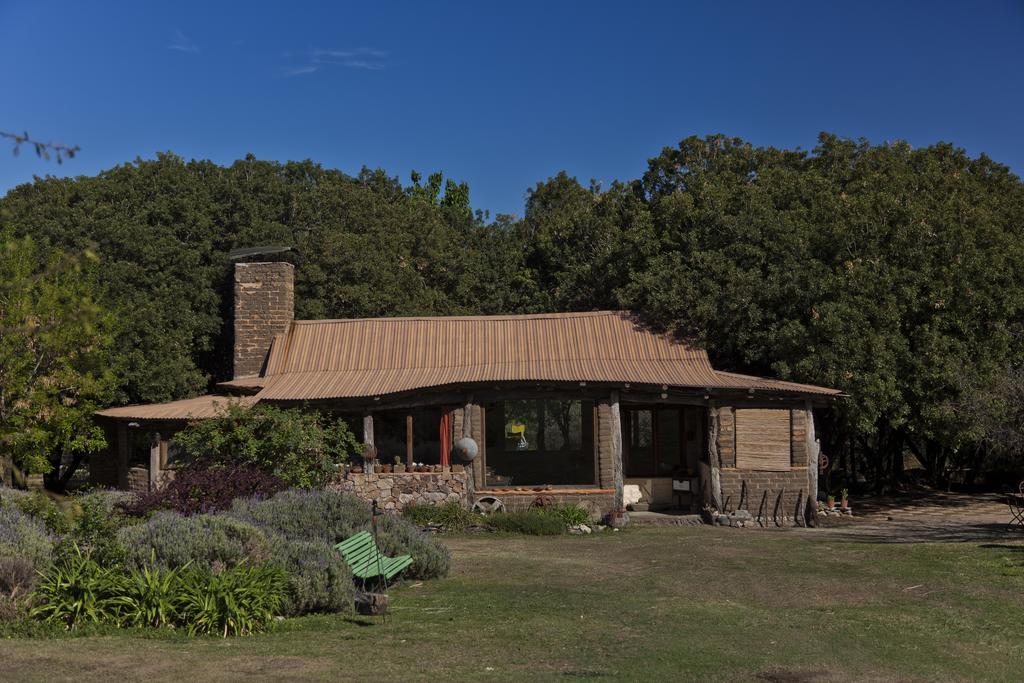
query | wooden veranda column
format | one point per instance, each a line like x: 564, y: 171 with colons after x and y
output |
x: 813, y: 457
x: 154, y: 460
x: 714, y: 457
x: 616, y: 428
x: 408, y: 440
x: 368, y: 429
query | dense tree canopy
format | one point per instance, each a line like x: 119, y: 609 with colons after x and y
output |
x: 895, y: 274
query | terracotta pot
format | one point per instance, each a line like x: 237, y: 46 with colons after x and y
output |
x: 385, y: 469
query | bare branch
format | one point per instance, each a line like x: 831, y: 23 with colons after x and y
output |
x: 44, y: 150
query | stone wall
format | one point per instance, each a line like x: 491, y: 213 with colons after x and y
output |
x: 264, y: 307
x: 745, y: 489
x: 751, y: 486
x: 397, y: 491
x: 138, y: 479
x: 605, y: 445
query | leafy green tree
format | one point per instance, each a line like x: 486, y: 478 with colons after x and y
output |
x: 366, y: 246
x: 300, y: 447
x: 581, y: 244
x: 55, y: 359
x: 886, y: 271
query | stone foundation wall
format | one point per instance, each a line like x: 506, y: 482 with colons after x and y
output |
x: 397, y: 491
x: 792, y: 484
x: 598, y: 503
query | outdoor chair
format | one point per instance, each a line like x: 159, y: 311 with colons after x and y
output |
x: 1016, y: 504
x: 366, y: 561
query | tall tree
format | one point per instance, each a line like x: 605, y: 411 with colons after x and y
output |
x: 883, y: 270
x: 55, y: 359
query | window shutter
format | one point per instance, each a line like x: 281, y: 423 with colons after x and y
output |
x: 762, y: 439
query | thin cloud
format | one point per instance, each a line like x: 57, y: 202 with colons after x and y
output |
x: 349, y: 53
x: 183, y: 43
x: 321, y: 59
x: 359, y: 64
x: 300, y: 70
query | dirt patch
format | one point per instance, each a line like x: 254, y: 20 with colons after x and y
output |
x: 793, y: 676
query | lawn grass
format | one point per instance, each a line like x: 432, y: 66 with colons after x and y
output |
x: 670, y: 603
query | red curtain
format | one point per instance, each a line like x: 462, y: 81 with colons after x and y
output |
x: 446, y: 436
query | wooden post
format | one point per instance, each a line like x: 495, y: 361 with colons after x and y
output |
x: 408, y: 440
x: 813, y: 457
x: 714, y: 457
x: 616, y: 428
x: 122, y: 455
x: 154, y: 460
x: 467, y: 418
x: 368, y: 429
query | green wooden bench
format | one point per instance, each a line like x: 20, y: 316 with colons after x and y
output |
x: 366, y: 561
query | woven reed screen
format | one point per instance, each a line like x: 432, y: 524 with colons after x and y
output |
x: 762, y: 439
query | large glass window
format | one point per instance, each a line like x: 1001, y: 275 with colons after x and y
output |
x: 538, y: 442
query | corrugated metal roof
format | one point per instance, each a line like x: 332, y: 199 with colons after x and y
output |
x: 324, y: 359
x: 186, y: 409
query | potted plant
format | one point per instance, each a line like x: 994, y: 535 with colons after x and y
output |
x: 618, y: 519
x: 845, y: 499
x: 385, y: 469
x: 369, y: 456
x: 399, y: 467
x: 830, y: 501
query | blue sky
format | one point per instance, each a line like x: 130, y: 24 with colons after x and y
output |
x: 501, y: 95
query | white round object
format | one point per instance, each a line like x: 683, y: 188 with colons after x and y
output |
x: 467, y: 449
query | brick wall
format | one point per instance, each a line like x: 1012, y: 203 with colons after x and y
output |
x: 264, y: 307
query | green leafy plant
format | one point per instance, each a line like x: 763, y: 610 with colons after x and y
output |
x: 239, y: 601
x: 572, y: 515
x: 451, y: 516
x: 95, y: 528
x: 150, y: 596
x: 38, y: 505
x: 531, y: 522
x: 300, y: 447
x: 78, y: 590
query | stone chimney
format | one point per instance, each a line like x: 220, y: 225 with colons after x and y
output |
x: 264, y: 307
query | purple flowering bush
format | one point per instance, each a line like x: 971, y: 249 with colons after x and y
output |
x: 198, y: 489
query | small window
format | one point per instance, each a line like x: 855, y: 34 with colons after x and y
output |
x: 762, y: 439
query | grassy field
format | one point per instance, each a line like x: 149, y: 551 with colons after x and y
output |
x: 690, y: 603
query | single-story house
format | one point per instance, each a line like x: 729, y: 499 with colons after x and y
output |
x: 586, y: 407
